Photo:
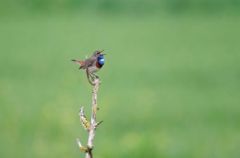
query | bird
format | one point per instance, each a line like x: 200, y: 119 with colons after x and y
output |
x: 92, y: 64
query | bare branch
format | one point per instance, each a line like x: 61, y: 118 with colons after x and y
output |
x: 98, y: 123
x: 91, y: 133
x: 81, y: 147
x: 83, y: 119
x: 93, y: 124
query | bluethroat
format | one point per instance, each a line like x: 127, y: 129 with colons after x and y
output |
x: 92, y: 64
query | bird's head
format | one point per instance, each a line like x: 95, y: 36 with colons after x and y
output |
x: 98, y: 53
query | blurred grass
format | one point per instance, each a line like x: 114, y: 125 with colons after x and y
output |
x: 116, y: 6
x: 170, y: 86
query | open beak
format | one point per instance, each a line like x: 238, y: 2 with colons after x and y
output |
x: 102, y: 53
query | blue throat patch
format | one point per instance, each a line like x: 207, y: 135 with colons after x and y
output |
x: 101, y: 60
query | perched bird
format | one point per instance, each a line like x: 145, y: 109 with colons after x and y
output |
x: 92, y: 64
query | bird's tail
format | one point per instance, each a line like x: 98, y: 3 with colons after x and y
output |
x: 79, y: 62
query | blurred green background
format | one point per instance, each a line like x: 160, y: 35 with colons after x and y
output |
x: 170, y: 87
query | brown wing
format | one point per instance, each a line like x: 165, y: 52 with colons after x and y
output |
x: 89, y: 62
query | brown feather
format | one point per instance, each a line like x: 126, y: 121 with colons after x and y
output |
x: 79, y: 62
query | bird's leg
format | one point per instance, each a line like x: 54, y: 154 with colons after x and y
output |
x: 90, y: 77
x: 95, y: 76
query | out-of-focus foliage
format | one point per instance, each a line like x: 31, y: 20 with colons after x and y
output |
x: 119, y: 6
x: 170, y: 86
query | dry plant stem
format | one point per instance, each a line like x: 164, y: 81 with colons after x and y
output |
x: 91, y: 126
x: 93, y: 122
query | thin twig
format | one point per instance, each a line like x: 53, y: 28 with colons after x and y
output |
x: 93, y: 124
x: 83, y: 119
x: 81, y: 147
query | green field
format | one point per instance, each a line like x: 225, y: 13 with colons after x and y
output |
x: 170, y: 87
